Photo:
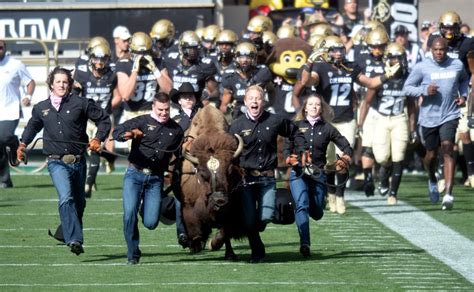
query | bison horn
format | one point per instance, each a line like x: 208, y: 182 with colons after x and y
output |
x: 239, y: 147
x: 193, y: 159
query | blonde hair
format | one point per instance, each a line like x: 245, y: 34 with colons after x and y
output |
x: 327, y: 114
x: 257, y: 88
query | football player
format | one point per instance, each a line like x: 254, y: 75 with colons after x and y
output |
x: 247, y: 73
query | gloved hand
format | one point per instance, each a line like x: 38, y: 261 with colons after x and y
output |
x: 133, y: 134
x: 413, y: 137
x: 21, y: 152
x: 94, y: 145
x: 152, y: 66
x: 342, y: 163
x: 292, y: 160
x: 136, y: 63
x: 319, y: 54
x: 391, y: 71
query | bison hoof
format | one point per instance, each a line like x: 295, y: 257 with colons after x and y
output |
x: 231, y: 257
x: 216, y: 243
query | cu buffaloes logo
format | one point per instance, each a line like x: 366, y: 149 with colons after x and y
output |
x: 381, y: 11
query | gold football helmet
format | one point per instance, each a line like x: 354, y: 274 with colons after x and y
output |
x: 97, y: 40
x: 163, y: 30
x: 189, y: 39
x: 315, y: 40
x: 210, y: 33
x: 259, y: 24
x: 333, y: 44
x: 245, y: 56
x: 373, y: 24
x: 140, y: 42
x: 449, y: 25
x: 394, y: 50
x: 286, y: 31
x: 227, y: 36
x: 99, y: 56
x: 269, y: 38
x: 322, y: 28
x: 377, y: 39
x: 200, y: 32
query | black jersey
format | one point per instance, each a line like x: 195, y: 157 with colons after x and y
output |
x: 146, y: 86
x: 171, y: 52
x: 361, y: 53
x: 336, y: 87
x: 99, y: 89
x: 457, y: 48
x: 197, y: 74
x: 282, y: 97
x: 237, y: 84
x: 391, y: 98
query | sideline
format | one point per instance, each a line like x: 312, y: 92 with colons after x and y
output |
x: 440, y: 241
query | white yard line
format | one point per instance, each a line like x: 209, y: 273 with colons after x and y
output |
x: 421, y: 230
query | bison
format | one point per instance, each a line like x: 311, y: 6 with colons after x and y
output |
x: 209, y: 182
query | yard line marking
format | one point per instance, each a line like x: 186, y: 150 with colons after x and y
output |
x: 234, y: 283
x: 437, y: 239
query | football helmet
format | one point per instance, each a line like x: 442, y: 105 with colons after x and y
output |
x: 189, y: 44
x: 97, y: 40
x: 449, y: 25
x: 99, y: 57
x: 140, y: 43
x: 315, y: 40
x: 269, y: 38
x: 377, y: 41
x: 245, y: 56
x: 210, y: 33
x: 286, y: 31
x: 334, y: 45
x: 396, y: 53
x: 322, y: 28
x: 226, y: 41
x: 163, y: 30
x: 200, y: 32
x: 259, y: 24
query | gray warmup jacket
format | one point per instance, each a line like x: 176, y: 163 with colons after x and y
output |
x: 452, y: 80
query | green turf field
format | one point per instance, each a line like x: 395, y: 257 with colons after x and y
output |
x: 353, y: 252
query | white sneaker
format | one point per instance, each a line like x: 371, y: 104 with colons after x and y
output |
x: 447, y: 203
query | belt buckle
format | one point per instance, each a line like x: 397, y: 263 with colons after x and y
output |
x: 255, y: 173
x: 147, y: 171
x: 69, y: 158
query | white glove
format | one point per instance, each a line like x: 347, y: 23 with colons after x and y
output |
x: 152, y: 66
x: 136, y: 63
x: 391, y: 71
x: 319, y: 54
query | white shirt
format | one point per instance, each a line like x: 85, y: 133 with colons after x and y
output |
x: 13, y: 75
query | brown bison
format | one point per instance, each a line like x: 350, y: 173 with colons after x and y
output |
x: 209, y: 181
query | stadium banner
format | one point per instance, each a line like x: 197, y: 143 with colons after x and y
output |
x: 84, y: 24
x: 398, y: 12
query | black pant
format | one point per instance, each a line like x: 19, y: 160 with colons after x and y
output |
x: 7, y: 138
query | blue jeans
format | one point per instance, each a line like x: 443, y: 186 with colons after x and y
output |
x: 258, y: 202
x: 308, y: 195
x: 179, y: 219
x: 138, y: 186
x: 69, y: 180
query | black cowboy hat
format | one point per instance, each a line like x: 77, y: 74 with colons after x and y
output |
x: 186, y: 87
x: 168, y: 210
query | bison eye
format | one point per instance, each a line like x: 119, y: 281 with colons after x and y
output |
x: 287, y: 58
x: 299, y: 58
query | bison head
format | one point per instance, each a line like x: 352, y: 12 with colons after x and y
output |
x: 216, y: 175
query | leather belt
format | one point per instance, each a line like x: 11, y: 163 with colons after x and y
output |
x: 144, y: 170
x: 254, y: 172
x: 66, y: 158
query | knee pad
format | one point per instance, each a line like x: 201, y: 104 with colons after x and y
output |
x: 368, y: 152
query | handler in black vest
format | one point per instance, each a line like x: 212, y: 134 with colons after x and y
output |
x: 259, y: 130
x: 155, y: 137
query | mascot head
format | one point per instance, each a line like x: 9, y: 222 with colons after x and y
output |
x: 287, y: 57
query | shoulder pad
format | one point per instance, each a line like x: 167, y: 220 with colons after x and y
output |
x: 261, y: 66
x: 206, y: 60
x: 84, y: 57
x: 82, y: 68
x: 173, y: 55
x: 124, y: 60
x: 228, y: 71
